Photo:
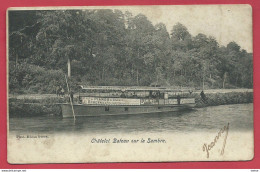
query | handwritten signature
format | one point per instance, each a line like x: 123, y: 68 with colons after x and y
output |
x: 208, y: 147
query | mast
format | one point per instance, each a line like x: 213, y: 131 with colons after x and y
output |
x: 71, y: 103
x: 69, y: 68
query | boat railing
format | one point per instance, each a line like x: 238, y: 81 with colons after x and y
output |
x: 135, y: 97
x: 89, y: 100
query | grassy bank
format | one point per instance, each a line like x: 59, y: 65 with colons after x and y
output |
x: 49, y: 105
x: 215, y: 99
x: 35, y: 107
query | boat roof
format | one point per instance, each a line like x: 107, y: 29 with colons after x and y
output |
x: 134, y: 88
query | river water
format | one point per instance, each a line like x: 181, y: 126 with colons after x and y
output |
x: 210, y: 119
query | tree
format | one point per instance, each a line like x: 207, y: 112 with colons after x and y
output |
x: 181, y: 38
x: 23, y: 27
x: 180, y: 32
x: 62, y: 34
x: 140, y: 33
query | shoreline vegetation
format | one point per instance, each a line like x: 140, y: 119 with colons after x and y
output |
x: 48, y: 104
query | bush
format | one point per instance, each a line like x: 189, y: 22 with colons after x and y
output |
x: 214, y: 99
x: 28, y: 78
x: 33, y: 107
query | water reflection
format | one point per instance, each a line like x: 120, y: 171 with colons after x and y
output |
x: 239, y: 116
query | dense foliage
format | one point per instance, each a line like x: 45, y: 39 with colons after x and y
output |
x: 111, y: 47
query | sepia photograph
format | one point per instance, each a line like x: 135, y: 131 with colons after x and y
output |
x: 130, y: 84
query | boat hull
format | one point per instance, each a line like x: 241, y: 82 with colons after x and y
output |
x: 88, y: 110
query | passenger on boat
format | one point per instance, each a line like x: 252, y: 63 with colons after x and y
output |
x: 179, y: 99
x: 203, y: 97
x: 71, y: 96
x: 62, y: 92
x: 58, y: 89
x: 123, y: 95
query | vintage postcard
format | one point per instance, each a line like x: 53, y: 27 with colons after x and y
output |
x: 130, y: 84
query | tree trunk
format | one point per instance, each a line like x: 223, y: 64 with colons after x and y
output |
x: 137, y: 77
x: 157, y: 78
x: 203, y: 81
x: 16, y: 60
x: 137, y: 72
x: 91, y: 49
x: 69, y: 68
x: 203, y: 77
x: 132, y: 71
x: 224, y: 79
x: 251, y: 80
x: 236, y: 80
x: 103, y: 73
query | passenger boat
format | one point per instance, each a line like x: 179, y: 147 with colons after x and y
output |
x: 116, y: 100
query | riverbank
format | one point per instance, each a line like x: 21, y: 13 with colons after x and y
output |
x: 45, y: 96
x: 47, y: 104
x: 215, y: 99
x: 35, y: 107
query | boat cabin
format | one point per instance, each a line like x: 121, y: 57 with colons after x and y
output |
x: 133, y: 96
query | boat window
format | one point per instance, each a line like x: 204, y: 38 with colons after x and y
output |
x: 107, y: 108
